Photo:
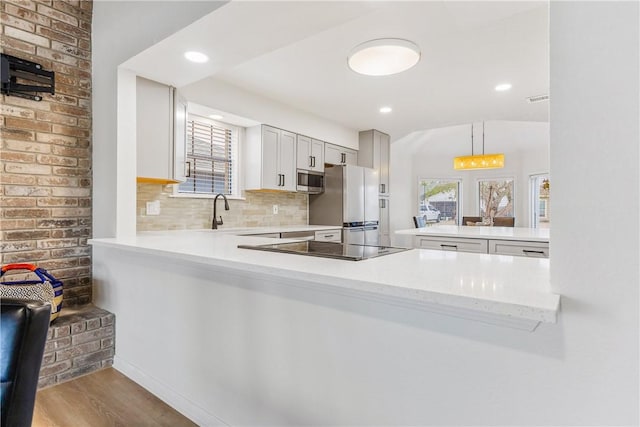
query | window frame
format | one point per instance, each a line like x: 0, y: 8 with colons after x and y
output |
x: 460, y: 199
x: 496, y: 178
x: 534, y: 199
x: 236, y: 167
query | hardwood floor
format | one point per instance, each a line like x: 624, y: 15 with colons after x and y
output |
x: 104, y: 398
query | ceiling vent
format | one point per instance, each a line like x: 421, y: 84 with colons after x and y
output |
x: 537, y: 98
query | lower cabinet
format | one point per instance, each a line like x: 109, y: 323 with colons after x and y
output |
x: 452, y: 244
x: 329, y: 235
x: 484, y: 246
x: 511, y: 247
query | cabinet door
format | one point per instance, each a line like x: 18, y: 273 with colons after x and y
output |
x: 304, y: 153
x: 332, y: 154
x: 154, y: 117
x: 287, y: 160
x: 385, y: 236
x: 519, y: 248
x: 270, y: 155
x: 179, y: 137
x: 350, y: 156
x: 317, y: 155
x: 383, y: 158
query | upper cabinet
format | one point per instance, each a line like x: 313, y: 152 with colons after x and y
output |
x: 270, y: 159
x: 337, y: 155
x: 310, y: 154
x: 161, y: 133
x: 374, y: 153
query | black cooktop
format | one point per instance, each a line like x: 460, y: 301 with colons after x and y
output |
x: 327, y: 249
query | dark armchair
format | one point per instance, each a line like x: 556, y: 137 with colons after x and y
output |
x: 23, y: 335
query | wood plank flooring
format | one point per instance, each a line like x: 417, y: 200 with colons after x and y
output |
x: 103, y: 399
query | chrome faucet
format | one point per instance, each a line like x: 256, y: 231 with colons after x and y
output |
x: 215, y: 222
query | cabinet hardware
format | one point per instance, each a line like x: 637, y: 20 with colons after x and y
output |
x: 450, y: 246
x: 383, y: 188
x: 533, y: 252
x: 383, y: 203
x: 314, y: 161
x: 283, y: 180
x: 188, y: 173
x: 343, y: 158
x: 310, y: 161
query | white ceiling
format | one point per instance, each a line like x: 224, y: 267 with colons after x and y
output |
x: 296, y: 53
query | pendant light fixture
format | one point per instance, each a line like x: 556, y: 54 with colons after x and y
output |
x: 479, y: 161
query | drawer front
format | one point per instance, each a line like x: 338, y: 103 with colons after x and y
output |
x: 452, y: 244
x: 519, y: 248
x: 329, y: 235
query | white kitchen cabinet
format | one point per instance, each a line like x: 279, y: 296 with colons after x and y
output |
x: 337, y: 155
x: 329, y: 235
x: 520, y: 248
x: 373, y: 153
x: 452, y: 244
x: 310, y: 154
x: 160, y: 133
x: 270, y: 159
x: 384, y: 230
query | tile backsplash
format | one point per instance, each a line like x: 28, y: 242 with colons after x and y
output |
x: 256, y: 210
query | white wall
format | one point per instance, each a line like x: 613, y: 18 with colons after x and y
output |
x: 232, y: 99
x: 595, y: 138
x: 121, y: 30
x: 430, y: 153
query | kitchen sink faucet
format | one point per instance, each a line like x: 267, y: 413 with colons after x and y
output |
x: 215, y: 222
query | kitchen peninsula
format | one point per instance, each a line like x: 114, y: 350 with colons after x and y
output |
x: 196, y: 289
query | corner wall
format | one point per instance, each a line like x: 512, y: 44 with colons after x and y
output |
x: 45, y: 184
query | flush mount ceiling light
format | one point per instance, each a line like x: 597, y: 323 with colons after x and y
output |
x: 383, y: 57
x: 197, y: 57
x: 385, y: 110
x: 503, y: 87
x: 216, y: 117
x: 479, y: 161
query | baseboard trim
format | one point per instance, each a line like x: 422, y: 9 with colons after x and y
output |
x: 178, y: 402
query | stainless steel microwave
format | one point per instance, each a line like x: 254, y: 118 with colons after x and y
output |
x: 310, y: 182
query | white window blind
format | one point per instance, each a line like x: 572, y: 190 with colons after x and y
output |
x: 210, y: 155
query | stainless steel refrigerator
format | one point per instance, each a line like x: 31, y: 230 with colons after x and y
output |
x: 349, y: 200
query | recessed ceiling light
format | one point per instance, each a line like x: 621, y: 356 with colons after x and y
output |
x: 385, y: 110
x: 383, y: 57
x: 198, y: 57
x: 503, y: 86
x: 216, y: 117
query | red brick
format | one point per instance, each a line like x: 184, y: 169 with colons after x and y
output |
x: 18, y: 179
x: 17, y: 157
x: 17, y: 22
x: 27, y: 15
x: 20, y: 134
x: 27, y: 213
x: 56, y: 118
x: 30, y: 146
x: 56, y: 35
x: 17, y: 123
x: 29, y: 256
x: 47, y: 159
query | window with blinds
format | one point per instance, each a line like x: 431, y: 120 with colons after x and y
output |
x: 210, y: 157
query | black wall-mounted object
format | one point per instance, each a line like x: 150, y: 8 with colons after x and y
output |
x: 25, y: 78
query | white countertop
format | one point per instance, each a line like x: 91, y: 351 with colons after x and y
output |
x: 481, y: 232
x: 516, y: 287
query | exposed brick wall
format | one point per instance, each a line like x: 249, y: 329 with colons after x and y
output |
x: 45, y: 184
x: 80, y: 341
